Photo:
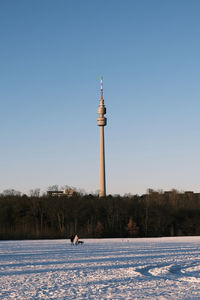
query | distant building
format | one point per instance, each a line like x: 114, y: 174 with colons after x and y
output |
x: 189, y: 193
x: 65, y: 192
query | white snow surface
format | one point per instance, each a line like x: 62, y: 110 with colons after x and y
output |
x: 153, y: 268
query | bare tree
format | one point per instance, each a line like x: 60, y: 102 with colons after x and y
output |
x: 54, y: 187
x: 11, y: 192
x: 35, y: 192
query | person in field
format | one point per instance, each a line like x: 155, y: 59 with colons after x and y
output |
x: 76, y: 239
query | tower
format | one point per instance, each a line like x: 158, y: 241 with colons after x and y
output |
x: 102, y: 121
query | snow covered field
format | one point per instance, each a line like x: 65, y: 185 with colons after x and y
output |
x: 154, y: 268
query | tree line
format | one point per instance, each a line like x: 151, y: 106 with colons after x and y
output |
x: 153, y: 214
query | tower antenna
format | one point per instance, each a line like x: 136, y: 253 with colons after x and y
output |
x: 101, y: 87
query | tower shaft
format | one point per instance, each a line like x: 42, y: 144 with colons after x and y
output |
x: 102, y: 121
x: 102, y: 172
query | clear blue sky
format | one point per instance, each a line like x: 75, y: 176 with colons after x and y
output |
x: 52, y: 54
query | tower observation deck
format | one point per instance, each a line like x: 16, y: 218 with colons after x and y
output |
x: 102, y: 121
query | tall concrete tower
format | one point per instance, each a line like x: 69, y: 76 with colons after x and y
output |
x: 102, y: 121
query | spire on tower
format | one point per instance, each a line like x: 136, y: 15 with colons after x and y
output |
x: 101, y: 87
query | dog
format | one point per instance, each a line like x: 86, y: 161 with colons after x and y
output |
x: 80, y: 242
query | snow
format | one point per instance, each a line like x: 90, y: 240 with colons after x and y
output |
x: 153, y: 268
